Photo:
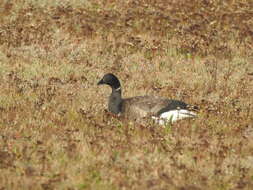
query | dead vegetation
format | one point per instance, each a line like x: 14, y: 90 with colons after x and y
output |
x: 54, y: 132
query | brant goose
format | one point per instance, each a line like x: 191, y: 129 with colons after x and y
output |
x: 162, y: 110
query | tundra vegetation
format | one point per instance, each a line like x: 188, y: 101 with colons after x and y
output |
x: 54, y: 130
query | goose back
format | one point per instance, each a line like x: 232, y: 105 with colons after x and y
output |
x: 143, y: 106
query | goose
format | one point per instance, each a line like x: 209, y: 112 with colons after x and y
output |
x: 161, y: 110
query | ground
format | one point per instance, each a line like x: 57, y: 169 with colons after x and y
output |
x: 54, y: 130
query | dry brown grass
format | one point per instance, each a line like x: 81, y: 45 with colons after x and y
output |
x: 54, y: 132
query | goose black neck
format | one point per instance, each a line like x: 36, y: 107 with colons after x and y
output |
x: 115, y: 101
x: 115, y: 85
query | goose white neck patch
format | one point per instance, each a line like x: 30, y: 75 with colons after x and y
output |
x: 118, y: 89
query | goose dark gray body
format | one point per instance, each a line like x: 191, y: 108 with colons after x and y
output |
x: 144, y: 106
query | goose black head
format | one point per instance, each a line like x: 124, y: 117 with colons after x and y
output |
x: 111, y: 80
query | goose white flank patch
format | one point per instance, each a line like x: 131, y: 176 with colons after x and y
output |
x: 163, y: 110
x: 173, y: 115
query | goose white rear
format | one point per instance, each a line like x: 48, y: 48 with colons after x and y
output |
x: 174, y: 115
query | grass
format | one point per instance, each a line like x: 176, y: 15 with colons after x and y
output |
x: 54, y: 132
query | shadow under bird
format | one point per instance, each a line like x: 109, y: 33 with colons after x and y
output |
x: 162, y: 110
